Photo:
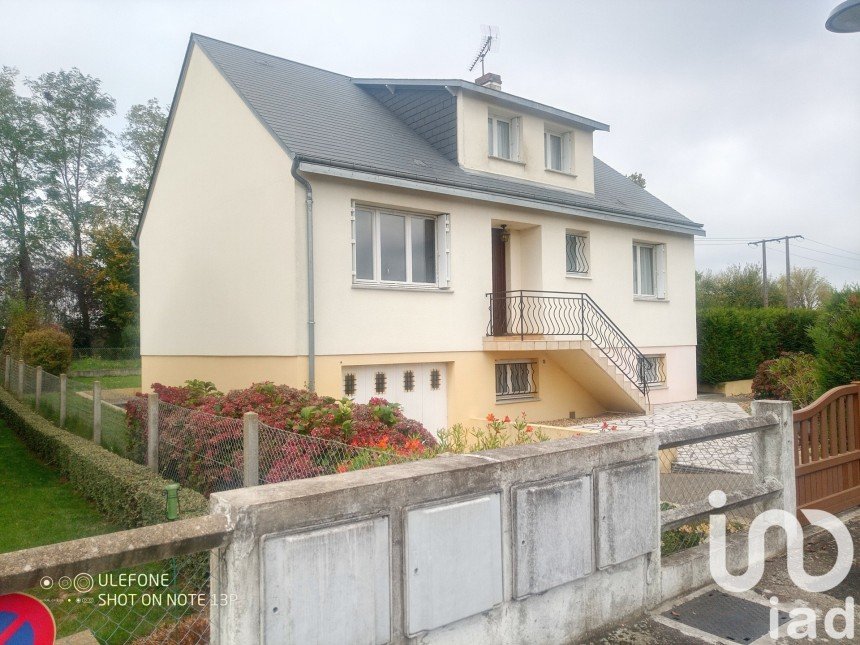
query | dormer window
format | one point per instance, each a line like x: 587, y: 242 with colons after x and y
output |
x: 503, y: 137
x: 557, y: 151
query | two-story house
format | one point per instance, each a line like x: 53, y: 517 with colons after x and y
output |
x: 439, y: 243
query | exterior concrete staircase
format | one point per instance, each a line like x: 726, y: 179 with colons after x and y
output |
x: 582, y: 338
x: 586, y: 364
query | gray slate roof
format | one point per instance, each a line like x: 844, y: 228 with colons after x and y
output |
x: 328, y: 119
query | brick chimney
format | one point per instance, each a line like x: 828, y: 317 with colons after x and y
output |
x: 490, y: 81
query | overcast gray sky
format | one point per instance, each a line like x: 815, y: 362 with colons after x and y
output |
x: 743, y: 115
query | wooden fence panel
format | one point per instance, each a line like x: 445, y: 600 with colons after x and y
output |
x: 827, y: 451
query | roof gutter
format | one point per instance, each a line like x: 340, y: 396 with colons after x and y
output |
x: 403, y: 180
x: 309, y: 236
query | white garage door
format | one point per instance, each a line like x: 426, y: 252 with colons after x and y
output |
x: 420, y: 388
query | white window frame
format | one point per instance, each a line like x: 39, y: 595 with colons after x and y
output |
x: 587, y: 244
x: 658, y: 271
x: 513, y: 137
x: 442, y: 248
x: 566, y: 151
x: 516, y: 396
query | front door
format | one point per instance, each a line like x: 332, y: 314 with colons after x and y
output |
x: 498, y: 301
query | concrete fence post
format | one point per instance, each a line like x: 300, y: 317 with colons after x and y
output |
x: 97, y: 413
x: 63, y: 383
x: 7, y: 371
x: 20, y: 379
x: 251, y: 448
x: 152, y: 431
x: 776, y: 450
x: 38, y: 388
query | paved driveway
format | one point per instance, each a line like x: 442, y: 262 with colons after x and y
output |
x: 678, y: 415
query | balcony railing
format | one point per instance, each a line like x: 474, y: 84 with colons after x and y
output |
x: 557, y: 313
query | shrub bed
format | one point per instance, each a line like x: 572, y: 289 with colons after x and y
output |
x: 836, y: 335
x: 733, y: 342
x: 125, y: 492
x: 48, y: 348
x: 203, y: 442
x: 791, y: 377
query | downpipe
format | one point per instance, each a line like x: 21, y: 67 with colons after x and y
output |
x: 309, y: 236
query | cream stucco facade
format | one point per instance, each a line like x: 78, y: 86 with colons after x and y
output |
x: 224, y: 278
x: 472, y: 113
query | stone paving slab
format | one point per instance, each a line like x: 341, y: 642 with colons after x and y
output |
x: 733, y: 454
x: 666, y: 416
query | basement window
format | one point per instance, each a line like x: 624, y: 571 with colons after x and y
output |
x: 653, y: 369
x: 515, y: 380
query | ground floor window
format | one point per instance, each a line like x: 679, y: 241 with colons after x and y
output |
x: 654, y: 369
x: 515, y: 380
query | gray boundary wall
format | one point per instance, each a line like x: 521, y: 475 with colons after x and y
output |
x: 772, y: 428
x: 537, y: 543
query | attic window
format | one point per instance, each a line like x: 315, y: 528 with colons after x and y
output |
x: 503, y: 137
x: 558, y: 148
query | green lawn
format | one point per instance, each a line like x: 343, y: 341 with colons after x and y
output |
x: 112, y: 382
x: 38, y: 507
x: 82, y: 364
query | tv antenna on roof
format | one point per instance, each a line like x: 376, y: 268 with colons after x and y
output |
x: 489, y: 43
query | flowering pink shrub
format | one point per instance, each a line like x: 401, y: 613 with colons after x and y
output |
x: 200, y: 440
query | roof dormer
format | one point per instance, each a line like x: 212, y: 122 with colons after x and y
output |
x: 486, y: 130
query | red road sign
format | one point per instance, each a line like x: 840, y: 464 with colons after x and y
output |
x: 25, y: 620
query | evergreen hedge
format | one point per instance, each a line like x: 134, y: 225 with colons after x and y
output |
x: 732, y: 342
x: 127, y: 493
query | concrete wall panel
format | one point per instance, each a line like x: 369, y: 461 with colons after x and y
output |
x: 329, y: 585
x: 454, y: 561
x: 627, y: 512
x: 554, y: 527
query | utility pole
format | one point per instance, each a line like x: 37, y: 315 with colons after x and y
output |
x: 784, y: 238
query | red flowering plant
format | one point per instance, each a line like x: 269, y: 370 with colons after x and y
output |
x: 302, y: 434
x: 498, y: 434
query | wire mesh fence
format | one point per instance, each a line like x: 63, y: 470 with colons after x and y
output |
x: 286, y: 455
x: 74, y: 411
x: 207, y: 452
x: 689, y: 473
x: 162, y: 602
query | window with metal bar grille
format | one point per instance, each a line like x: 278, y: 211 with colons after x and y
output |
x: 577, y: 253
x: 515, y: 380
x: 653, y: 369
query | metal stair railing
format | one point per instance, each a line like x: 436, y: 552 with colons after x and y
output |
x: 558, y: 313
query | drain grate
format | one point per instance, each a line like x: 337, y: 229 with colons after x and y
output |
x: 729, y: 617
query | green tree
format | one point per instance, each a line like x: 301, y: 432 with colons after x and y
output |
x: 637, y: 178
x: 141, y: 140
x: 115, y: 271
x: 736, y: 286
x: 836, y: 335
x: 76, y: 157
x: 808, y: 289
x: 20, y: 137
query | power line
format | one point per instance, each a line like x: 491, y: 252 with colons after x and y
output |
x: 836, y: 255
x: 841, y: 266
x: 832, y: 247
x: 784, y: 238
